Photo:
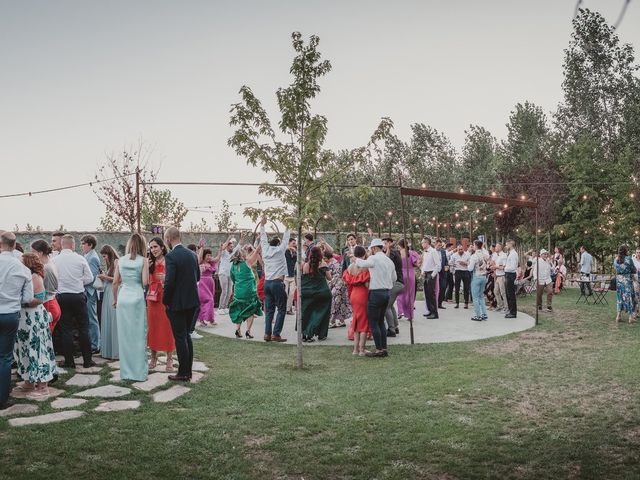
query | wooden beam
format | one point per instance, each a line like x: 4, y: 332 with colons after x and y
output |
x: 423, y: 192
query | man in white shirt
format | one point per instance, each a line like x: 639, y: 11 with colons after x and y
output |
x: 73, y: 274
x: 498, y: 262
x: 16, y: 289
x: 431, y: 265
x: 542, y: 275
x: 56, y: 245
x: 383, y: 276
x: 586, y: 264
x: 227, y: 250
x: 510, y: 269
x: 460, y: 263
x: 275, y: 270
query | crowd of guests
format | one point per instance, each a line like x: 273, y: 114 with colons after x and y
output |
x: 153, y: 296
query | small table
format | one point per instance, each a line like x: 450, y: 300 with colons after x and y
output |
x: 598, y: 289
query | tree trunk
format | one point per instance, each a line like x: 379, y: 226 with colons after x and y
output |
x: 299, y: 347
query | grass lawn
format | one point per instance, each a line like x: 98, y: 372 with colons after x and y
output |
x: 558, y: 401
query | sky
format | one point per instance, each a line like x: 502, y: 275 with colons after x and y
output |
x: 82, y: 79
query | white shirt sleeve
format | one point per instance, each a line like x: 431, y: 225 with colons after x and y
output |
x: 264, y: 241
x: 368, y: 263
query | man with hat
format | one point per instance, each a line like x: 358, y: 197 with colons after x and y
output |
x: 398, y: 286
x: 383, y: 276
x: 542, y: 274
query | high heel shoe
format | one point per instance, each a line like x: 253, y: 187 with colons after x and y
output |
x: 247, y: 334
x: 169, y: 366
x: 238, y: 334
x: 154, y: 360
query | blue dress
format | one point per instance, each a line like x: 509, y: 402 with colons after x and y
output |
x: 626, y: 298
x: 132, y: 320
x: 108, y: 325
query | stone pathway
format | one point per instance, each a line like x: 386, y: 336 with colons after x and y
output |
x: 104, y: 384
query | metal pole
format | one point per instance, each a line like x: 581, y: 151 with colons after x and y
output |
x: 406, y: 259
x: 537, y: 264
x: 138, y: 213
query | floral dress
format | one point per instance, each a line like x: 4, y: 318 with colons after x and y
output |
x: 340, y: 305
x: 33, y: 351
x: 626, y: 297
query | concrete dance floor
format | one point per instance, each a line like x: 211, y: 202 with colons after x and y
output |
x: 454, y: 325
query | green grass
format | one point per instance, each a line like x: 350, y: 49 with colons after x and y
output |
x: 558, y: 401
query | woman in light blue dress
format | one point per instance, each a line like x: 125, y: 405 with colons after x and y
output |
x: 131, y: 276
x: 108, y: 323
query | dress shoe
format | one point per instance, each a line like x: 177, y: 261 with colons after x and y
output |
x: 374, y: 354
x: 238, y: 334
x: 509, y: 315
x: 431, y: 317
x: 397, y: 330
x: 89, y: 365
x: 466, y: 306
x: 248, y: 334
x: 457, y: 305
x: 179, y: 378
x: 267, y: 338
x: 442, y: 307
x: 277, y: 338
x: 66, y: 365
x: 391, y: 333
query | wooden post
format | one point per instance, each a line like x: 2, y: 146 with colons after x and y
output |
x: 407, y: 259
x: 138, y: 213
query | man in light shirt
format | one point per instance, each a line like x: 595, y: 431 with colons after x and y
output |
x: 460, y: 263
x: 275, y: 270
x: 586, y: 264
x: 88, y: 247
x: 542, y: 275
x: 499, y: 260
x: 73, y: 274
x: 431, y: 265
x: 510, y: 269
x: 16, y: 289
x: 56, y: 245
x: 383, y: 276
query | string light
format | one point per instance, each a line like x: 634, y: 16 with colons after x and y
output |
x: 424, y: 185
x: 632, y: 195
x: 493, y: 194
x: 461, y: 190
x: 584, y: 197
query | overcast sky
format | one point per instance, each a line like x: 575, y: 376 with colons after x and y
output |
x: 82, y: 78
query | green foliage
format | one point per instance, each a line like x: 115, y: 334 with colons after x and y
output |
x: 159, y: 207
x: 224, y: 218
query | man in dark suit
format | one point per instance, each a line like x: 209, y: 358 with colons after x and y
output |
x: 181, y: 298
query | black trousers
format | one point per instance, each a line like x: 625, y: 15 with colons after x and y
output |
x: 430, y: 293
x: 376, y: 308
x: 181, y: 326
x: 450, y: 286
x: 442, y: 278
x: 464, y: 277
x: 73, y: 308
x: 510, y: 290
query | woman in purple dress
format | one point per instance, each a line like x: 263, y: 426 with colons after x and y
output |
x: 410, y: 260
x: 206, y: 287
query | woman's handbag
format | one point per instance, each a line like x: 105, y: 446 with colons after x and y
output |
x: 98, y: 284
x: 153, y: 295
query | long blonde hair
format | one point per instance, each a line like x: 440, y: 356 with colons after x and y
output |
x: 136, y: 245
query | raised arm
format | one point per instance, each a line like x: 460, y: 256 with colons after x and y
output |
x: 285, y: 240
x: 264, y: 241
x: 368, y: 263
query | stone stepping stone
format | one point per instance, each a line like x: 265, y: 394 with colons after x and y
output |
x: 196, y: 377
x: 199, y: 367
x: 114, y: 365
x: 117, y: 405
x: 107, y: 391
x: 154, y: 380
x: 53, y: 392
x: 79, y: 380
x: 100, y: 361
x: 44, y: 419
x: 88, y: 370
x: 18, y: 409
x: 61, y: 371
x: 115, y: 376
x: 67, y: 402
x: 171, y: 394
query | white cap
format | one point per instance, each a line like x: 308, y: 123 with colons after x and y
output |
x: 376, y: 242
x: 543, y: 251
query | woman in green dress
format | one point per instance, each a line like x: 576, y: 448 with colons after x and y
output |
x: 316, y: 297
x: 246, y: 304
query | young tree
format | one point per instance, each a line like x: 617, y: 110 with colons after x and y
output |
x: 224, y: 219
x: 159, y: 207
x: 298, y: 162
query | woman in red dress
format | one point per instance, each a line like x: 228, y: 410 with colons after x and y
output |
x: 357, y: 281
x: 160, y: 336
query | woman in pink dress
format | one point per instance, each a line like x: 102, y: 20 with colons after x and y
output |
x: 410, y: 260
x: 206, y: 287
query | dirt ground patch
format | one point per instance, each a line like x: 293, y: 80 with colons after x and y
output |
x: 537, y: 343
